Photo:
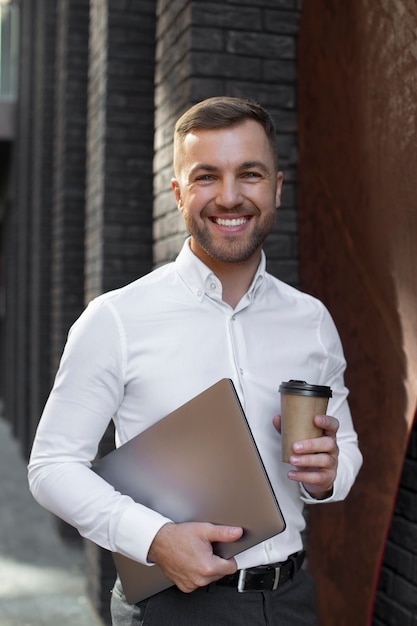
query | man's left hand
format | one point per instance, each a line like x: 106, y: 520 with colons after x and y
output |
x: 316, y: 460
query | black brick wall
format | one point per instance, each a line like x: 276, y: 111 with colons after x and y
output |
x: 67, y: 244
x: 396, y: 599
x: 40, y: 208
x: 28, y: 225
x: 16, y: 228
x: 120, y: 144
x: 119, y: 195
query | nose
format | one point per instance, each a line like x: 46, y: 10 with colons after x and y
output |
x: 229, y: 194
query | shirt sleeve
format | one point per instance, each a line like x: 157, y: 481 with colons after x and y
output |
x: 350, y: 457
x: 88, y: 389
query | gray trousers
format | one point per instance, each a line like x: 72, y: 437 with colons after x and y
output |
x: 292, y: 604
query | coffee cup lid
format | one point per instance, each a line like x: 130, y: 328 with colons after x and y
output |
x: 301, y: 388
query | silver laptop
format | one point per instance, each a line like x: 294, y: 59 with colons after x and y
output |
x: 199, y: 463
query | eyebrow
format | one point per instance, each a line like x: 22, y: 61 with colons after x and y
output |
x: 207, y: 167
x: 247, y: 165
x: 204, y: 166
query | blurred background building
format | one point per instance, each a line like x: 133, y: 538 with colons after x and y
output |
x: 89, y: 94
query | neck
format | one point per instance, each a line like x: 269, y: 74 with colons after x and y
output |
x: 235, y: 283
x: 235, y: 278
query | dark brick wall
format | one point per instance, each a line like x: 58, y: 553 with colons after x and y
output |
x: 5, y: 160
x: 240, y: 49
x: 119, y: 195
x: 67, y: 245
x: 28, y: 225
x: 101, y: 575
x: 396, y: 598
x: 172, y: 95
x: 40, y: 207
x: 22, y: 220
x: 16, y: 228
x: 120, y: 144
x: 66, y: 251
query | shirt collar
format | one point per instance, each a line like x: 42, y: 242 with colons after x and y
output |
x: 200, y: 278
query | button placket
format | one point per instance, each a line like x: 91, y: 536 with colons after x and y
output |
x: 235, y: 347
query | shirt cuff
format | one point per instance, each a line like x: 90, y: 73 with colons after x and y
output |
x: 309, y: 499
x: 136, y: 531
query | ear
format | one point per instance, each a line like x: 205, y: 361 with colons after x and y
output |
x: 177, y: 193
x: 280, y: 179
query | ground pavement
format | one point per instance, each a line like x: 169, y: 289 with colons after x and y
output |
x: 42, y: 579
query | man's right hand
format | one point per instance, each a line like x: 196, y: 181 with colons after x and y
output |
x: 184, y: 552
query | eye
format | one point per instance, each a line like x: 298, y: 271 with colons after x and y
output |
x: 253, y: 175
x: 204, y: 178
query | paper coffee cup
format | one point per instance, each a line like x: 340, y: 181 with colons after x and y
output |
x: 300, y: 403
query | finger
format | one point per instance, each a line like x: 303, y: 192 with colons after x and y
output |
x: 313, y: 475
x: 224, y: 534
x: 329, y: 424
x: 310, y: 475
x: 277, y: 422
x: 314, y: 481
x: 313, y: 462
x: 325, y: 444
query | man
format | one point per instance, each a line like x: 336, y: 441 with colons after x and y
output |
x: 139, y: 352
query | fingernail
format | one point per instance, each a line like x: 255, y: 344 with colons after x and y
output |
x: 298, y: 446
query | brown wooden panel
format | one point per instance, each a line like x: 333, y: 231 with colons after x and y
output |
x: 358, y: 251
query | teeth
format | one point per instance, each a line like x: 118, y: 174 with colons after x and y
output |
x: 230, y: 223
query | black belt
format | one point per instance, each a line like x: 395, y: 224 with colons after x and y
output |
x: 264, y: 577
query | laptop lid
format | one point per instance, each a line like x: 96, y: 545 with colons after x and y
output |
x: 199, y: 463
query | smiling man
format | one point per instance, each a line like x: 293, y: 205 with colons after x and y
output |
x: 228, y: 188
x: 131, y: 357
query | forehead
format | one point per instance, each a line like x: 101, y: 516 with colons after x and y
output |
x: 241, y: 142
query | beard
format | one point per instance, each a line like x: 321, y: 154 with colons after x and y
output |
x: 231, y: 248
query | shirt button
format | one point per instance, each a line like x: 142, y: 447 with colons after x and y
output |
x: 199, y: 292
x: 213, y: 286
x: 233, y: 318
x: 241, y: 371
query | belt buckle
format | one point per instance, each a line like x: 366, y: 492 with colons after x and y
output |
x: 276, y: 579
x: 242, y: 580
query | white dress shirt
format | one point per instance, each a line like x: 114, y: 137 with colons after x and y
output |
x: 139, y: 352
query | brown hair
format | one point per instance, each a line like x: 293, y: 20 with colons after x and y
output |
x: 223, y: 112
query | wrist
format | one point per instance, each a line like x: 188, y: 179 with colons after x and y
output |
x: 158, y: 541
x: 319, y: 495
